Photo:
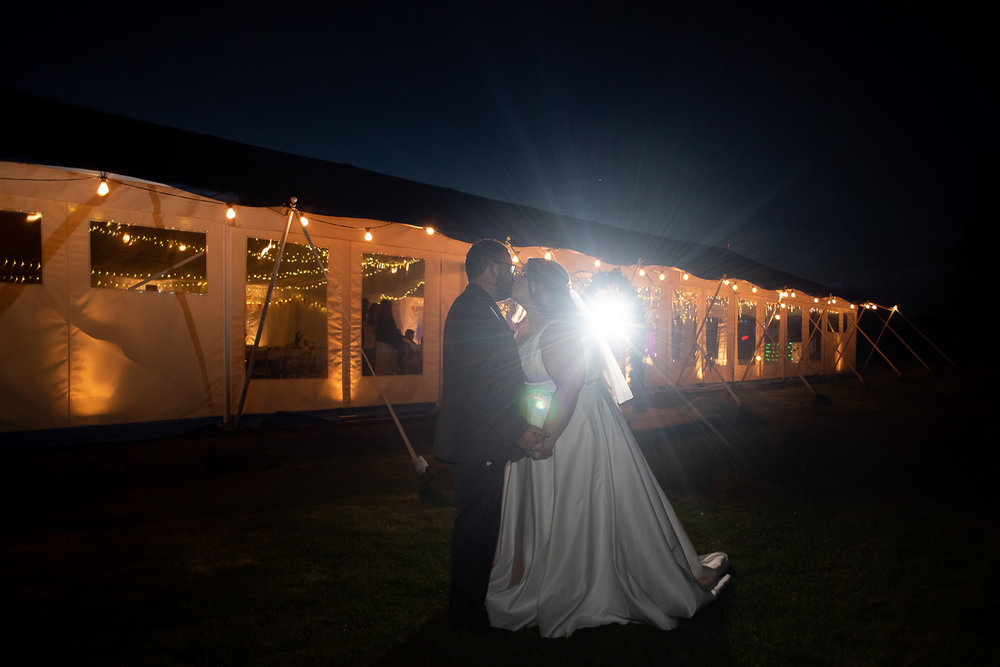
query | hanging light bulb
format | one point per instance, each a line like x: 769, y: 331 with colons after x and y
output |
x: 754, y: 289
x: 517, y: 260
x: 642, y: 271
x: 663, y: 276
x: 230, y: 212
x: 32, y: 217
x: 368, y: 235
x: 684, y: 277
x: 103, y: 188
x: 304, y: 220
x: 548, y: 254
x: 429, y: 230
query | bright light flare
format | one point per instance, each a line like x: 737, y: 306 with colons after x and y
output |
x: 609, y: 317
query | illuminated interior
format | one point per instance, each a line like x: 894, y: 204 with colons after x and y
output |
x: 147, y: 259
x: 21, y: 252
x: 392, y: 306
x: 293, y: 342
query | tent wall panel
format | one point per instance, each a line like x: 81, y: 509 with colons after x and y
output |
x: 140, y: 356
x: 34, y: 343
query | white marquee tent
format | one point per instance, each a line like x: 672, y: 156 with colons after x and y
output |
x: 143, y: 305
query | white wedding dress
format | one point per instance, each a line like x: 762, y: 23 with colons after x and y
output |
x: 587, y: 536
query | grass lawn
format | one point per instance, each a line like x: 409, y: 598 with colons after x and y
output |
x: 862, y: 529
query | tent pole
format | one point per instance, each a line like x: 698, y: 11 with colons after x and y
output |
x: 715, y: 369
x: 695, y: 410
x: 885, y: 323
x: 928, y: 368
x: 812, y: 333
x: 419, y: 464
x: 952, y: 363
x: 227, y: 324
x: 876, y: 349
x: 725, y: 383
x: 263, y: 315
x: 169, y: 268
x: 803, y: 378
x: 763, y: 335
x: 694, y: 344
x: 907, y: 346
x: 840, y: 352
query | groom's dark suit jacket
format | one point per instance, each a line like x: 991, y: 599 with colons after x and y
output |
x: 480, y: 418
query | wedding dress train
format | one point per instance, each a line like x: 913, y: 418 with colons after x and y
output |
x: 587, y: 536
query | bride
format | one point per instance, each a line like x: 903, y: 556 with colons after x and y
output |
x: 587, y: 536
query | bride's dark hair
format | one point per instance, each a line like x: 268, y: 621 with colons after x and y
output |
x: 549, y: 288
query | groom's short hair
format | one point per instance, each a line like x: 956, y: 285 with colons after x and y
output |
x: 481, y: 254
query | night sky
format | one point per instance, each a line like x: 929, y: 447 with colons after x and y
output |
x: 838, y: 144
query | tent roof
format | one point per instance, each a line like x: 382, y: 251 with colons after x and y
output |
x: 41, y: 131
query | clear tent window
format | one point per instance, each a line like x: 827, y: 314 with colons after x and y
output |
x: 21, y: 249
x: 147, y: 259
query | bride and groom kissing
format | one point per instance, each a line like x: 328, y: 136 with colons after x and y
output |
x: 560, y: 523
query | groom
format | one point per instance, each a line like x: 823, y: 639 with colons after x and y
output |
x: 480, y: 424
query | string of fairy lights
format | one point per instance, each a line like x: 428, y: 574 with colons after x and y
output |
x: 27, y: 270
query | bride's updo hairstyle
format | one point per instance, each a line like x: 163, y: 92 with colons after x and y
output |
x: 549, y: 288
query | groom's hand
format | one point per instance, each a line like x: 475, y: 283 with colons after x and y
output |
x: 532, y: 443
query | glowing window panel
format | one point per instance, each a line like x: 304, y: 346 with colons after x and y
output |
x: 147, y: 259
x: 293, y: 342
x: 849, y: 322
x: 770, y: 351
x: 794, y: 332
x: 815, y: 345
x: 392, y: 307
x: 685, y: 322
x: 746, y: 331
x: 21, y: 249
x: 717, y: 330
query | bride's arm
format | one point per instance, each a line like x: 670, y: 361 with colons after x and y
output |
x: 563, y: 354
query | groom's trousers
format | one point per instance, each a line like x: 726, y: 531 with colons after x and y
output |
x: 479, y: 496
